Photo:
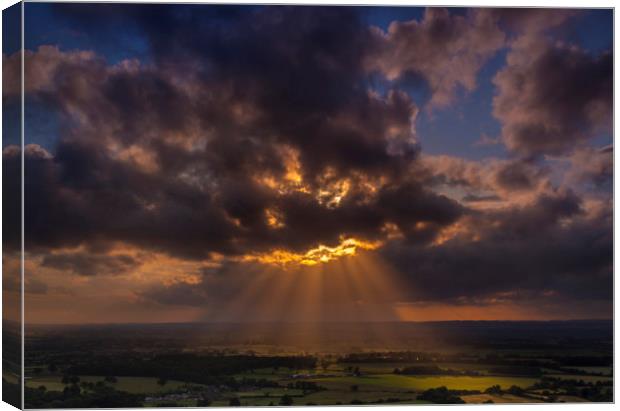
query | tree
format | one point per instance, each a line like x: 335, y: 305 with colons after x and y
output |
x: 441, y: 395
x: 167, y: 404
x: 515, y: 390
x: 324, y: 364
x: 354, y: 388
x: 234, y: 402
x: 494, y: 389
x: 72, y: 390
x: 52, y: 368
x: 286, y: 400
x: 162, y: 381
x: 70, y: 379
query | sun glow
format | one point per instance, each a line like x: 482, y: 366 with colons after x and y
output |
x: 314, y: 256
x: 343, y: 289
x: 333, y: 193
x: 274, y: 218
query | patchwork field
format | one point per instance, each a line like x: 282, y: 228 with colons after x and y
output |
x: 557, y: 363
x: 134, y: 385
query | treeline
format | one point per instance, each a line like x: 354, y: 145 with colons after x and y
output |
x: 186, y: 367
x: 579, y: 371
x: 387, y: 357
x: 511, y: 360
x: 443, y: 395
x: 599, y: 391
x: 73, y: 397
x: 305, y: 386
x: 516, y: 370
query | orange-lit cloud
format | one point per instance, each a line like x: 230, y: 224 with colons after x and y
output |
x: 321, y: 254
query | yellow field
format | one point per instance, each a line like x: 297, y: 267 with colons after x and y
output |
x: 393, y: 382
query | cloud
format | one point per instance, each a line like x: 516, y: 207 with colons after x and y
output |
x: 146, y: 158
x: 531, y: 21
x: 591, y: 165
x: 547, y: 252
x: 34, y: 286
x: 183, y: 294
x: 42, y: 68
x: 447, y: 50
x: 552, y: 97
x: 474, y: 198
x: 549, y: 244
x: 86, y: 264
x: 506, y: 179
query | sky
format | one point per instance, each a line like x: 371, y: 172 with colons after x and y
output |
x: 311, y: 163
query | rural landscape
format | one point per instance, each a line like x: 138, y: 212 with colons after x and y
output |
x: 242, y: 365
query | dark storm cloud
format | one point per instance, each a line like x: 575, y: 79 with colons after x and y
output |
x: 519, y: 175
x: 214, y: 287
x: 552, y: 97
x: 471, y: 198
x: 90, y: 264
x: 167, y: 158
x: 531, y: 248
x: 82, y: 197
x: 549, y: 250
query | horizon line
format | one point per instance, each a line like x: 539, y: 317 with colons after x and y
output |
x: 4, y: 320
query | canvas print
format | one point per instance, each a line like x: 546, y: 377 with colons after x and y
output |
x: 257, y: 205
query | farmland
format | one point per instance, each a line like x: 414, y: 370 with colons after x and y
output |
x: 81, y: 367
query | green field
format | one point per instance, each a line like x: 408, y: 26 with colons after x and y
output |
x: 135, y: 385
